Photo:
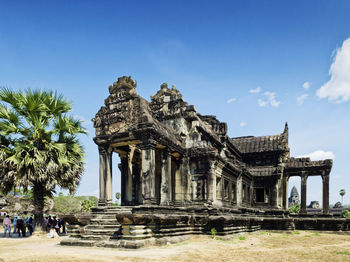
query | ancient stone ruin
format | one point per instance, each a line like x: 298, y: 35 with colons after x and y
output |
x: 294, y: 197
x: 182, y: 174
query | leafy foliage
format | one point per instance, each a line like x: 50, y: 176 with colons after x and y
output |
x: 295, y: 209
x: 38, y: 141
x: 213, y: 232
x: 345, y: 213
x: 73, y: 204
x: 87, y: 204
x: 38, y: 144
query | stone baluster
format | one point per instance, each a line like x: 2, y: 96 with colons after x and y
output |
x: 325, y: 193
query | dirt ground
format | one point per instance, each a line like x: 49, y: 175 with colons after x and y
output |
x: 262, y: 246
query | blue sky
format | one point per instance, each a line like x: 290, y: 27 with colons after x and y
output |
x: 244, y: 61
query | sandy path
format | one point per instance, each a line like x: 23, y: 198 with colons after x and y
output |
x: 305, y: 246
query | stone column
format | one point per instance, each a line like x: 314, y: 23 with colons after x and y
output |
x: 303, y: 194
x: 102, y: 170
x: 166, y: 186
x: 123, y: 166
x: 109, y: 187
x: 211, y: 183
x: 148, y: 172
x: 239, y: 191
x: 285, y: 192
x: 325, y: 193
x: 128, y: 177
x: 274, y: 195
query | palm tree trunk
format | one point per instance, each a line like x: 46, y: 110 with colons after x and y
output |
x: 39, y: 202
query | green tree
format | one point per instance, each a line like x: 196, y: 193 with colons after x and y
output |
x: 342, y: 193
x: 117, y: 196
x: 39, y: 147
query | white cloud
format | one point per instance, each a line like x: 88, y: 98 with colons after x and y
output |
x: 262, y: 103
x: 338, y: 87
x: 306, y: 85
x: 233, y: 99
x: 320, y: 155
x: 300, y: 99
x: 242, y: 124
x: 255, y: 91
x: 269, y: 98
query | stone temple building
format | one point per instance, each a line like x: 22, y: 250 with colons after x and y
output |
x: 182, y: 174
x: 172, y: 155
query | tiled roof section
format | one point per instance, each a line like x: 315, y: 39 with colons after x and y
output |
x: 265, y: 171
x: 306, y: 162
x: 251, y: 144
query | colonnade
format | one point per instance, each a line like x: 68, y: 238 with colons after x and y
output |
x: 147, y: 176
x: 304, y: 176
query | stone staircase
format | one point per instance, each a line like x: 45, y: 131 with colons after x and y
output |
x: 102, y: 227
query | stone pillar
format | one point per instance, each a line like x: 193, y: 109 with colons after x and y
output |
x: 211, y: 183
x: 123, y: 166
x: 303, y: 194
x: 109, y: 184
x: 166, y: 186
x: 102, y: 168
x: 180, y: 181
x: 148, y: 173
x: 285, y: 192
x: 239, y: 191
x: 325, y: 193
x: 274, y: 195
x: 128, y: 177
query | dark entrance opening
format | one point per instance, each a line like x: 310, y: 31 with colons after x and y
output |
x: 259, y: 195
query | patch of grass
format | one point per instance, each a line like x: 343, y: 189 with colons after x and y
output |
x: 342, y: 253
x: 242, y: 238
x: 307, y: 235
x: 316, y: 234
x: 263, y: 233
x: 296, y: 232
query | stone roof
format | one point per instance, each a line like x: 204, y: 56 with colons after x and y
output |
x: 306, y: 162
x: 264, y: 171
x: 251, y: 144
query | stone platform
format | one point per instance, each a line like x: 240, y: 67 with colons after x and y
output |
x: 139, y: 226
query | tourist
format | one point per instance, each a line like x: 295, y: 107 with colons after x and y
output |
x: 56, y: 225
x: 21, y: 227
x: 7, y: 225
x: 29, y: 223
x: 63, y: 225
x: 47, y: 224
x: 14, y: 225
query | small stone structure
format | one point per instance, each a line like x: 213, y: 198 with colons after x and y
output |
x: 294, y: 197
x: 314, y: 204
x: 182, y: 174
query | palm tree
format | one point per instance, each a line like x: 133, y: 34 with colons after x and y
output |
x: 39, y: 147
x: 342, y: 193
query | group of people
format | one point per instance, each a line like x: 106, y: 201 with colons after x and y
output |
x: 19, y: 225
x: 55, y: 223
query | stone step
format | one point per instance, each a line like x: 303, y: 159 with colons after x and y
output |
x: 95, y: 237
x: 103, y: 226
x: 107, y: 232
x: 104, y: 222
